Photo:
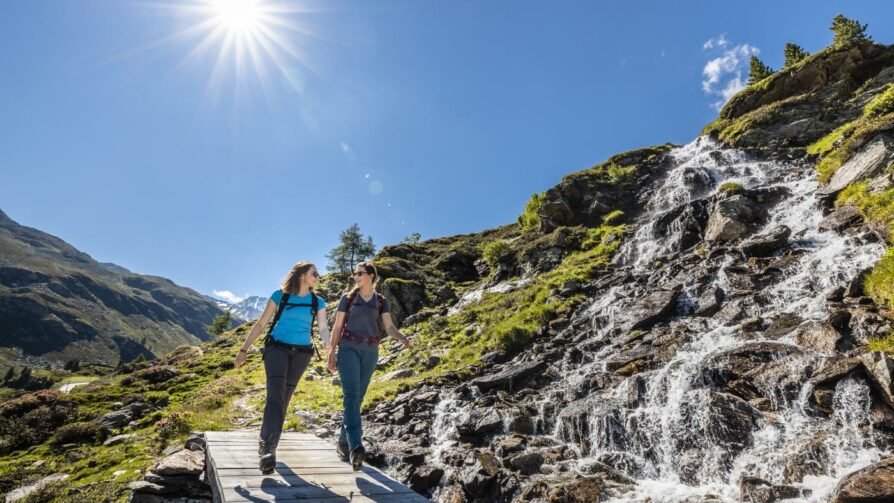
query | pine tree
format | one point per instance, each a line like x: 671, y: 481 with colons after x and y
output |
x: 412, y: 238
x: 848, y: 32
x: 220, y: 324
x: 10, y: 375
x: 758, y: 70
x: 793, y: 54
x: 353, y: 248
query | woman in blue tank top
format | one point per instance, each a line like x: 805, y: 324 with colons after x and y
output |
x: 287, y: 349
x: 363, y: 315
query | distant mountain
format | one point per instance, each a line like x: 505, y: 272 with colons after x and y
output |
x: 58, y: 303
x: 249, y: 308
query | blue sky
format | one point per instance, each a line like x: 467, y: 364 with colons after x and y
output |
x: 402, y: 116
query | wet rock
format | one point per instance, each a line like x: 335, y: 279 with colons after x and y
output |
x: 767, y: 244
x: 521, y: 424
x: 510, y: 445
x: 782, y: 325
x: 841, y: 218
x: 757, y: 490
x: 481, y: 422
x: 720, y: 418
x: 588, y: 489
x: 809, y: 458
x: 488, y: 462
x: 880, y: 369
x: 855, y: 286
x: 643, y: 352
x: 643, y: 313
x: 819, y: 336
x: 424, y: 478
x: 482, y: 488
x: 526, y: 463
x: 733, y: 218
x: 709, y: 302
x: 873, y: 484
x: 595, y: 411
x: 509, y: 377
x: 757, y: 369
x: 835, y: 294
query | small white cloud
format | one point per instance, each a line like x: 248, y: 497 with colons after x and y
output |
x: 720, y: 41
x: 663, y: 53
x: 367, y: 176
x: 227, y: 296
x: 344, y: 146
x: 723, y: 74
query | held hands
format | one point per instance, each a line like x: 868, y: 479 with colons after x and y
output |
x: 406, y: 342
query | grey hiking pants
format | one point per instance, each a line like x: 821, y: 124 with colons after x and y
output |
x: 284, y: 367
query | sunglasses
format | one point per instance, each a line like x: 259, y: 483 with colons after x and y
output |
x: 315, y: 274
x: 359, y: 273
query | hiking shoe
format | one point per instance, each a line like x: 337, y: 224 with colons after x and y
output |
x: 341, y: 448
x: 268, y: 458
x: 357, y: 457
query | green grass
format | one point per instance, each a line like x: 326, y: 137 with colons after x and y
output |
x: 730, y: 188
x: 530, y: 216
x: 881, y: 105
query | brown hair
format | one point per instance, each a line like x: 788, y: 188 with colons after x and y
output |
x: 292, y: 282
x: 371, y: 270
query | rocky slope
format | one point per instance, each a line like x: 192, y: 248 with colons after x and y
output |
x: 57, y: 303
x: 683, y: 323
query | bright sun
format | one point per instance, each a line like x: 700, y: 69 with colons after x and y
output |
x: 243, y: 38
x: 238, y: 15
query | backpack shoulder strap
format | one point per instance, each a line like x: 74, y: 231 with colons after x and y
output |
x: 282, y: 305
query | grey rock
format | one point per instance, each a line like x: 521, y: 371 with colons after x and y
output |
x: 874, y: 483
x: 871, y: 158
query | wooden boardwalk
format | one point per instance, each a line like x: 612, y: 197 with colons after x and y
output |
x: 307, y: 470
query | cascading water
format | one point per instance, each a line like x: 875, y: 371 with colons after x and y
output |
x: 668, y: 432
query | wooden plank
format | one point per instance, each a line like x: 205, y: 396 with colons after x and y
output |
x: 236, y: 496
x: 307, y: 470
x: 285, y: 477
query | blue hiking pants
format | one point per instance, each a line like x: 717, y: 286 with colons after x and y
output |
x: 356, y: 365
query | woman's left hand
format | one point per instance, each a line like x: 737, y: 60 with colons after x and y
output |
x: 406, y: 342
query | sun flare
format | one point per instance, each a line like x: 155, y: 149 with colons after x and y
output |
x: 238, y: 15
x: 244, y: 40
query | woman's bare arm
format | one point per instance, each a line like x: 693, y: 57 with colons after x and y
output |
x: 259, y: 325
x: 392, y: 330
x: 323, y: 324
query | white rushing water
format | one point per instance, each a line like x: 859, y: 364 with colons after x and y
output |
x: 652, y: 432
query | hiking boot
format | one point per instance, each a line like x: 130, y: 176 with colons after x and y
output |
x: 267, y: 452
x: 341, y: 448
x: 357, y: 457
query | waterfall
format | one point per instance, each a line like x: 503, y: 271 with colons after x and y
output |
x: 669, y: 433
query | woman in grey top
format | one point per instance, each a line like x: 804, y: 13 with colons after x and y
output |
x: 363, y: 315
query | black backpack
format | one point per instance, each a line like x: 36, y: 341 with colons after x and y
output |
x: 283, y: 302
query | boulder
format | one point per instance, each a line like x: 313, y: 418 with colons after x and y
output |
x: 841, y: 218
x: 182, y: 462
x: 872, y: 157
x: 872, y: 484
x: 880, y: 369
x: 722, y: 419
x: 755, y: 369
x: 733, y: 218
x: 526, y: 463
x: 23, y: 492
x: 644, y: 312
x: 818, y: 336
x: 510, y: 377
x: 424, y: 478
x: 767, y: 244
x: 480, y: 422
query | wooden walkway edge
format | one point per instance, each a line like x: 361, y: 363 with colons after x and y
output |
x: 307, y: 471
